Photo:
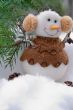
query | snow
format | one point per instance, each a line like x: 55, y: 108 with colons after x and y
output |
x: 35, y: 93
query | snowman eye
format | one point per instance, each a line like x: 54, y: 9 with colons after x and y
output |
x: 55, y: 21
x: 49, y: 19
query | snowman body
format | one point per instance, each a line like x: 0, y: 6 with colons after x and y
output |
x: 50, y: 72
x: 69, y: 72
x: 47, y: 56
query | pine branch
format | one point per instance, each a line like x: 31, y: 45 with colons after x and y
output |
x: 12, y: 11
x: 11, y: 57
x: 10, y: 51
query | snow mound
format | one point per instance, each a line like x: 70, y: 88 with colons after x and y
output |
x: 34, y: 93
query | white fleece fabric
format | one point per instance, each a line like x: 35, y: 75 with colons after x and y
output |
x: 35, y: 93
x: 43, y: 27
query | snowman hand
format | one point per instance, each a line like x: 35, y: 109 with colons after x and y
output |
x: 67, y: 38
x: 14, y: 75
x: 69, y: 83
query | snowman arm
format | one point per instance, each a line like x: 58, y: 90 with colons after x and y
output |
x: 70, y: 41
x: 67, y: 38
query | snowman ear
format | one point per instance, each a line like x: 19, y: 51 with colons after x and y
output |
x: 30, y: 23
x: 66, y: 23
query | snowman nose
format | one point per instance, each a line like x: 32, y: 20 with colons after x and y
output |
x: 54, y: 27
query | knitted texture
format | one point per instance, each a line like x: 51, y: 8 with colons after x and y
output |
x: 46, y: 51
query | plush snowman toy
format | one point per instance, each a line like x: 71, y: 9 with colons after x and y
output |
x: 47, y: 56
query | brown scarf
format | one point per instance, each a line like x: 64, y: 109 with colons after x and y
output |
x: 46, y: 51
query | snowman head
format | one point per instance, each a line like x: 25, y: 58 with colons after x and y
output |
x: 47, y: 24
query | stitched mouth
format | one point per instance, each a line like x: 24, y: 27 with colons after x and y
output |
x: 50, y: 34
